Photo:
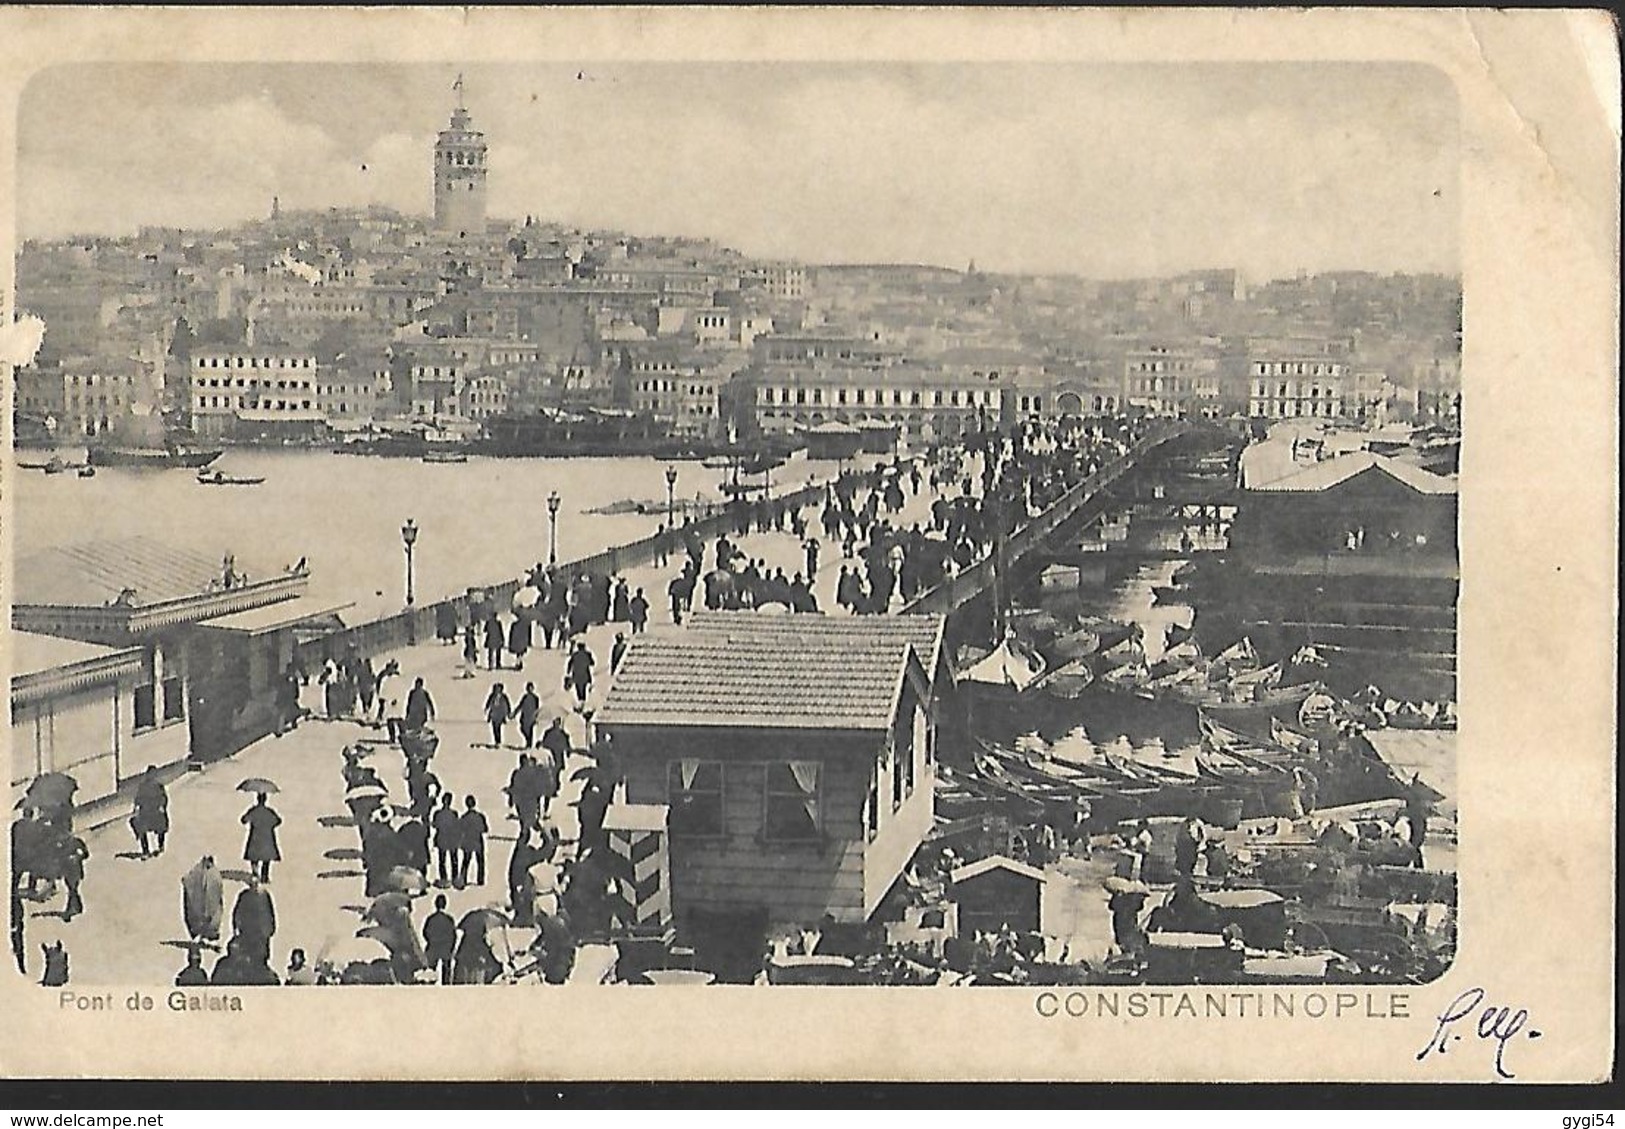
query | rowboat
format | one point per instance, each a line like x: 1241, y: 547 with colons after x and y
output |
x: 1068, y: 682
x: 446, y: 457
x: 221, y: 478
x: 1269, y: 698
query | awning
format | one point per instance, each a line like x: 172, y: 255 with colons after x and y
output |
x: 273, y: 617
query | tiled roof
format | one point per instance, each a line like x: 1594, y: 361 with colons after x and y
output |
x: 1335, y: 472
x: 923, y: 632
x: 92, y: 574
x: 767, y: 671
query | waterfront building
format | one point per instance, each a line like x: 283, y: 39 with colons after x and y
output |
x: 1356, y: 556
x: 797, y: 763
x: 680, y: 385
x: 483, y: 396
x: 213, y: 635
x: 460, y: 175
x: 232, y: 389
x: 85, y: 396
x: 924, y: 402
x: 353, y: 388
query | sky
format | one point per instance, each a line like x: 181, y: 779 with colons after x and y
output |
x: 1106, y: 171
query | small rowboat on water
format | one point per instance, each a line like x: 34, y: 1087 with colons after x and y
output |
x: 221, y: 478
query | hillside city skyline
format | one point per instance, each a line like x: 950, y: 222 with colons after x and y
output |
x: 1155, y: 180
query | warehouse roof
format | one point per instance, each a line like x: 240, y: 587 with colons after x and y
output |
x: 1335, y: 472
x: 96, y: 573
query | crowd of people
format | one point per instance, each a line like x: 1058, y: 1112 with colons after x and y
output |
x: 978, y: 490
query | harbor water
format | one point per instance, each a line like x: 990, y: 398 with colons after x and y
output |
x: 480, y: 522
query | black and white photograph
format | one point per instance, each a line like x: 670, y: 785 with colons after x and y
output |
x: 706, y: 522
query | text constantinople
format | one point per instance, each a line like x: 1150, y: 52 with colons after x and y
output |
x: 1199, y: 1003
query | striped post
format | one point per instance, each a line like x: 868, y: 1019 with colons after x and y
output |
x: 642, y: 870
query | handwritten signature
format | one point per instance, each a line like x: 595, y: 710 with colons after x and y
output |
x: 1496, y: 1023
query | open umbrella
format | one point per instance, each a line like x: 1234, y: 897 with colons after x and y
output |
x: 484, y: 918
x: 386, y: 905
x: 193, y: 945
x: 258, y: 784
x: 341, y: 951
x: 367, y: 791
x: 50, y: 790
x: 407, y: 881
x: 1117, y: 884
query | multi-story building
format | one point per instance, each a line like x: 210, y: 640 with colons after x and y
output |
x: 1296, y: 385
x: 681, y: 386
x: 785, y: 282
x: 924, y: 401
x: 483, y: 396
x: 85, y: 396
x: 1168, y: 380
x: 352, y: 389
x: 267, y: 386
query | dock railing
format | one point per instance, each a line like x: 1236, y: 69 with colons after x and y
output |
x: 413, y: 625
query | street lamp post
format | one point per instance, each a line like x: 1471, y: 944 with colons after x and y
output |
x: 553, y: 528
x: 409, y: 536
x: 671, y: 495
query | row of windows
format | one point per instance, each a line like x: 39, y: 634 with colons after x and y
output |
x: 244, y: 403
x: 464, y: 158
x: 673, y: 386
x: 1285, y: 391
x: 1279, y: 409
x: 225, y: 382
x: 1296, y: 368
x: 654, y: 405
x: 100, y: 378
x: 913, y: 397
x: 320, y: 309
x: 254, y: 362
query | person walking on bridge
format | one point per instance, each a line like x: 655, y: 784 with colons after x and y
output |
x: 419, y: 708
x: 498, y: 709
x: 530, y: 707
x: 261, y: 849
x: 579, y: 673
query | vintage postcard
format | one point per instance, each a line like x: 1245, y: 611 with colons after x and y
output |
x: 751, y: 544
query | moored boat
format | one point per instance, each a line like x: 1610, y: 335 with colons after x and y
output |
x: 152, y: 457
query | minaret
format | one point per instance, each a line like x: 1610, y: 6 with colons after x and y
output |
x: 459, y: 174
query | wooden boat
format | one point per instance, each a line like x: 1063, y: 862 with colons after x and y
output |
x: 1067, y: 682
x: 154, y: 457
x: 221, y: 478
x: 446, y: 457
x: 87, y: 472
x: 1270, y: 698
x: 1228, y: 767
